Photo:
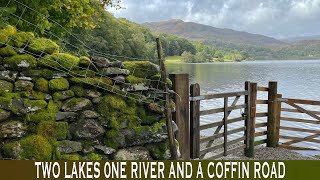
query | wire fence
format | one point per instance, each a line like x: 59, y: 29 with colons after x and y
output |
x: 100, y: 63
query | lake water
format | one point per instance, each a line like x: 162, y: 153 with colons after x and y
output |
x: 296, y: 79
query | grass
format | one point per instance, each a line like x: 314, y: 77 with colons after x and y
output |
x: 174, y: 59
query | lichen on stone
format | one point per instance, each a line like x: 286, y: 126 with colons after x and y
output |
x: 62, y: 95
x: 5, y: 87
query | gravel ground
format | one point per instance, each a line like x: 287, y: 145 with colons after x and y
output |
x: 261, y: 153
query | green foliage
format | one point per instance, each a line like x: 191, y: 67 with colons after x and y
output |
x: 42, y: 85
x: 7, y: 51
x: 70, y: 13
x: 60, y: 61
x: 35, y: 147
x: 59, y: 84
x: 24, y: 61
x: 6, y: 32
x: 21, y: 39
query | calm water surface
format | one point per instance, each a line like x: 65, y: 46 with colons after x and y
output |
x: 296, y: 79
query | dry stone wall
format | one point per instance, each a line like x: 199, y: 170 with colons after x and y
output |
x: 48, y: 114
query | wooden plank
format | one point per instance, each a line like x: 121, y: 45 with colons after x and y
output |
x: 195, y: 122
x: 262, y: 114
x: 304, y: 110
x: 262, y: 141
x: 218, y: 110
x: 261, y: 101
x: 299, y: 129
x: 295, y: 141
x: 166, y: 96
x: 246, y: 113
x: 272, y: 113
x: 220, y: 123
x: 262, y: 133
x: 258, y: 125
x: 216, y: 136
x: 259, y: 88
x: 300, y: 139
x: 300, y: 101
x: 249, y: 151
x: 180, y: 84
x: 297, y: 147
x: 223, y: 95
x: 300, y: 120
x: 225, y: 126
x: 278, y: 115
x: 296, y: 111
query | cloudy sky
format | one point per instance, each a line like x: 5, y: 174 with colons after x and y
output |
x: 277, y: 18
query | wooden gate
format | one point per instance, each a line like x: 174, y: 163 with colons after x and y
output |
x: 201, y: 146
x: 308, y: 127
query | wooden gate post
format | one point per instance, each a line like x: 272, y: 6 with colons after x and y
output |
x: 278, y: 116
x: 251, y: 120
x: 272, y: 115
x: 194, y: 122
x: 180, y: 84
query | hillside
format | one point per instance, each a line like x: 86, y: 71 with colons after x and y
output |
x: 228, y: 40
x: 200, y: 32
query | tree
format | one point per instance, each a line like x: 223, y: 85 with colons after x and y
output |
x: 40, y: 15
x: 188, y: 57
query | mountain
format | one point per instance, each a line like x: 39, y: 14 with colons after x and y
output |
x: 302, y: 38
x: 200, y: 32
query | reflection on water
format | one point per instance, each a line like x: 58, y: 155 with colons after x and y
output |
x: 296, y: 79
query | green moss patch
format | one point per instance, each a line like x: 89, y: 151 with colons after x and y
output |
x: 84, y: 62
x: 41, y: 116
x: 7, y: 51
x: 141, y: 69
x: 46, y: 73
x: 61, y: 61
x: 21, y: 39
x: 154, y: 81
x: 93, y: 157
x: 82, y: 73
x: 5, y: 87
x: 53, y: 130
x: 134, y: 80
x: 42, y: 46
x: 70, y: 157
x: 35, y: 147
x: 5, y: 33
x: 63, y: 95
x: 42, y: 85
x: 104, y: 82
x: 21, y: 62
x: 60, y: 84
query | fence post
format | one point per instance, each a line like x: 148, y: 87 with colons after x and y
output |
x: 250, y: 128
x: 272, y: 113
x: 278, y: 116
x: 195, y: 122
x: 246, y: 112
x: 180, y: 84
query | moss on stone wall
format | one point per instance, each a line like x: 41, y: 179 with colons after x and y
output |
x: 42, y: 46
x: 60, y: 84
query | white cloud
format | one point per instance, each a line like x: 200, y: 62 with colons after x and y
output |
x: 278, y: 18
